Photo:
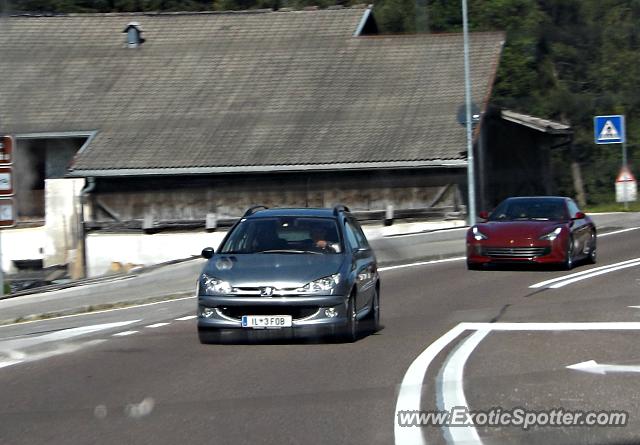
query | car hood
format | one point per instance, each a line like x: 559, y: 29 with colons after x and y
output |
x: 277, y: 270
x: 518, y: 230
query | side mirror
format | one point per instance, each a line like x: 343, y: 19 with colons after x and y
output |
x: 579, y: 215
x: 207, y: 252
x: 484, y: 214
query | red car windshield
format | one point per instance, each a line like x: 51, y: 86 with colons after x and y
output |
x: 530, y: 209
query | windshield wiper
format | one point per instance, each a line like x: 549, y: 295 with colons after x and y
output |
x: 289, y: 251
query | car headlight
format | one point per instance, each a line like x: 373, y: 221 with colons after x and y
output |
x: 323, y: 285
x: 552, y: 235
x: 477, y: 234
x: 214, y: 286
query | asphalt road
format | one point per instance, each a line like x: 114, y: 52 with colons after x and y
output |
x: 77, y: 380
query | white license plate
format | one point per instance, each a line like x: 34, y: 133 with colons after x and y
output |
x: 266, y: 321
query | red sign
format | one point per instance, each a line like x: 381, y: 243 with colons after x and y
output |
x: 6, y: 150
x: 6, y: 181
x: 7, y: 212
x: 625, y: 175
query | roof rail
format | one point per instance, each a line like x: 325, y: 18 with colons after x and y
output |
x: 340, y: 208
x: 252, y: 210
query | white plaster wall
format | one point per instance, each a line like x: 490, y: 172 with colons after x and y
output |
x: 140, y: 249
x: 21, y: 244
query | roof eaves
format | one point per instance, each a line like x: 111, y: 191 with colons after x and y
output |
x: 438, y: 163
x: 536, y: 123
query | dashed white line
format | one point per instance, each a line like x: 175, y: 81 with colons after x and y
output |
x: 125, y: 333
x: 188, y: 317
x: 84, y: 314
x: 157, y: 325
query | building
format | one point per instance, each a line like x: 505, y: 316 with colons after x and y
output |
x: 171, y: 117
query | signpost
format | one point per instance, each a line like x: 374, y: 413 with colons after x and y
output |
x: 7, y: 203
x: 610, y: 130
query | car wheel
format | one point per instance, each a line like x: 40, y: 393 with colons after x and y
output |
x: 568, y: 262
x: 473, y: 266
x: 592, y: 258
x: 209, y: 336
x: 350, y: 333
x: 373, y: 318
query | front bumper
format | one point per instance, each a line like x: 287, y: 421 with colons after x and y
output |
x: 539, y: 252
x: 308, y: 313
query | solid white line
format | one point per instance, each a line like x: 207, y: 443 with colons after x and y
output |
x: 453, y: 387
x: 156, y: 325
x: 188, y: 317
x: 125, y: 333
x: 422, y: 263
x: 10, y: 363
x: 427, y: 232
x: 551, y: 326
x: 97, y: 312
x: 411, y: 388
x: 591, y: 275
x: 615, y: 232
x: 582, y: 273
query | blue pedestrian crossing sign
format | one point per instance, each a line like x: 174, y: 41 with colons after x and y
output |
x: 609, y: 129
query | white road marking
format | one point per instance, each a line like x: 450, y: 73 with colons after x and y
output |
x: 594, y: 367
x: 453, y: 387
x: 422, y: 263
x: 65, y: 334
x: 157, y: 325
x: 84, y: 314
x: 188, y: 317
x: 411, y: 387
x: 428, y: 232
x: 62, y: 349
x: 615, y: 232
x: 125, y: 333
x: 562, y: 281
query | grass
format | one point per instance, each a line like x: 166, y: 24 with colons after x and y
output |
x: 612, y: 207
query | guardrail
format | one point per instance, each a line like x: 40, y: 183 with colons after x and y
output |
x: 364, y: 216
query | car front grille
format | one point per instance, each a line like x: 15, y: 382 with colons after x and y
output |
x: 296, y: 312
x: 515, y: 252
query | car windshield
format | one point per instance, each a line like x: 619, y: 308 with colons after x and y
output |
x: 284, y: 235
x: 530, y: 209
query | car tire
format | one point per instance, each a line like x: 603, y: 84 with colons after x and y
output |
x: 350, y: 333
x: 568, y: 262
x: 593, y: 253
x: 209, y: 336
x: 373, y: 318
x: 473, y: 266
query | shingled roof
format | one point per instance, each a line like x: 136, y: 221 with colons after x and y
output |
x: 250, y: 91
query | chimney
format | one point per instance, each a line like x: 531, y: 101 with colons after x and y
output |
x: 134, y: 35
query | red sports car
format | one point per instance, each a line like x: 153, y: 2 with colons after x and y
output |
x: 541, y: 229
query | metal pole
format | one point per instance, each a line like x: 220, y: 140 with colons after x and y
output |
x: 471, y: 210
x: 624, y: 168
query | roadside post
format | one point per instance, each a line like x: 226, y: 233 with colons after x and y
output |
x: 7, y: 202
x: 610, y: 129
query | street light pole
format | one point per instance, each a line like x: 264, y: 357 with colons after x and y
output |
x: 471, y: 206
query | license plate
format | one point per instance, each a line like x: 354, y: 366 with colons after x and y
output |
x: 266, y: 321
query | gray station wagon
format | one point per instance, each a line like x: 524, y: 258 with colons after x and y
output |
x: 290, y: 272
